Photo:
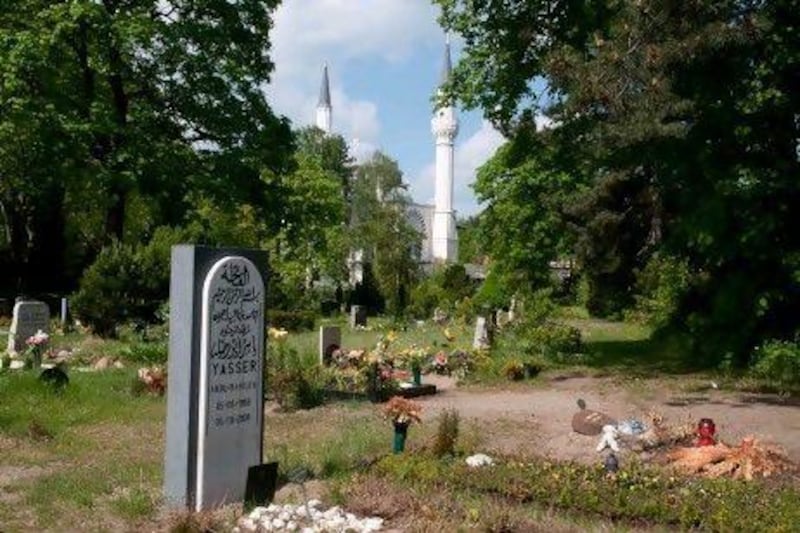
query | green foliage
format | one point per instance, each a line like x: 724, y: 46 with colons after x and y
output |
x: 146, y: 353
x: 126, y: 283
x: 679, y: 119
x: 446, y: 433
x: 291, y: 320
x: 660, y: 287
x: 446, y: 288
x: 778, y: 362
x: 380, y: 227
x: 114, y: 111
x: 295, y: 381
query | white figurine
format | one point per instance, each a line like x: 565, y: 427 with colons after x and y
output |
x: 609, y: 439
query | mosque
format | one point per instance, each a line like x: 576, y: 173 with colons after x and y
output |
x: 436, y: 223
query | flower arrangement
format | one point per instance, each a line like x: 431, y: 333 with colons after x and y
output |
x: 402, y: 411
x: 36, y: 345
x: 154, y: 379
x: 441, y: 363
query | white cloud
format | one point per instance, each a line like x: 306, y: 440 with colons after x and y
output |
x: 470, y: 154
x: 309, y: 33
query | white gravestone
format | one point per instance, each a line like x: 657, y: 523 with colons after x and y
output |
x: 30, y: 316
x: 481, y: 339
x: 329, y: 337
x: 230, y: 413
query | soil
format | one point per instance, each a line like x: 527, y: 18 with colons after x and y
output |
x: 536, y: 420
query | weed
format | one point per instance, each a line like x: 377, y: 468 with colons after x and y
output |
x: 446, y: 433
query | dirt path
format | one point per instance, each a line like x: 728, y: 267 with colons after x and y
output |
x: 536, y: 420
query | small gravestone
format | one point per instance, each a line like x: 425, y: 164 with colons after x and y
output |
x: 481, y: 339
x: 330, y: 339
x: 358, y: 316
x: 215, y: 384
x: 440, y: 316
x: 501, y: 318
x: 29, y: 317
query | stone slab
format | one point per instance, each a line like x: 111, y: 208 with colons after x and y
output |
x: 588, y: 422
x: 358, y: 316
x: 330, y: 339
x: 29, y: 316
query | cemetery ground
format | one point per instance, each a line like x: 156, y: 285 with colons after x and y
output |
x: 91, y: 457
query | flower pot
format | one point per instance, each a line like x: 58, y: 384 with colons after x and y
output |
x: 417, y: 374
x: 400, y: 432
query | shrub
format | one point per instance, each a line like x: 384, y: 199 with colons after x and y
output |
x: 446, y: 433
x: 126, y: 283
x: 291, y: 320
x: 778, y: 361
x: 660, y: 286
x: 147, y: 353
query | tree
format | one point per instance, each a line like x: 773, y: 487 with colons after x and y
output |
x: 111, y: 106
x: 681, y: 117
x: 380, y: 226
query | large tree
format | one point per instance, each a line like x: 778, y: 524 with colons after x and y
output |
x: 113, y: 110
x: 683, y: 118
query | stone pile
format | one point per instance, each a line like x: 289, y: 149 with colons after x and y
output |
x: 308, y: 518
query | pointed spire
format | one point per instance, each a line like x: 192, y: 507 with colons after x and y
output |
x: 324, y: 90
x: 446, y: 66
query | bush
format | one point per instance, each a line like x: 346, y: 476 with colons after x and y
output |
x: 291, y: 320
x: 778, y: 361
x: 445, y: 288
x: 126, y: 283
x: 446, y: 433
x: 660, y: 287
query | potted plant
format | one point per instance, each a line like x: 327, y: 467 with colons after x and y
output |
x: 402, y: 413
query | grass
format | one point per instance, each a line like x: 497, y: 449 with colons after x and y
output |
x: 98, y: 463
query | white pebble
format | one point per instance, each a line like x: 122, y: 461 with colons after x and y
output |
x: 291, y: 526
x: 248, y: 524
x: 278, y: 524
x: 314, y: 503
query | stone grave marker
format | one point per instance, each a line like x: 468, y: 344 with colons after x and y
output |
x: 330, y: 339
x: 29, y: 316
x: 358, y: 316
x: 481, y: 339
x: 215, y: 376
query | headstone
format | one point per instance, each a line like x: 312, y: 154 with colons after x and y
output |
x: 439, y: 316
x: 330, y: 339
x: 215, y: 374
x: 64, y: 312
x: 29, y: 317
x: 358, y: 316
x: 512, y: 309
x: 481, y: 339
x: 501, y: 318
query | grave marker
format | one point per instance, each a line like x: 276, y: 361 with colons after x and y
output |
x: 481, y: 339
x: 215, y: 387
x: 358, y: 316
x: 330, y: 339
x: 29, y: 317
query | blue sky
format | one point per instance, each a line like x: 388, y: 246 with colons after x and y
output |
x: 384, y: 59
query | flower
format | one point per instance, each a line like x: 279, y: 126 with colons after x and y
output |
x: 39, y: 338
x: 448, y: 335
x: 277, y: 334
x: 402, y: 411
x: 440, y: 363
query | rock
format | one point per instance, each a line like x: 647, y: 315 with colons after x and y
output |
x: 102, y: 364
x: 479, y: 459
x: 588, y: 422
x: 118, y: 364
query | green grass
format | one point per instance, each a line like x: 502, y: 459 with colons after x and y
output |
x: 90, y: 398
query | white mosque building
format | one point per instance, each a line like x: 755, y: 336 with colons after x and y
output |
x: 436, y: 223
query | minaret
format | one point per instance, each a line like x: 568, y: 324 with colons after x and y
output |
x: 324, y: 109
x: 444, y: 126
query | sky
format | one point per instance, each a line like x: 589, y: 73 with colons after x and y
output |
x: 384, y: 61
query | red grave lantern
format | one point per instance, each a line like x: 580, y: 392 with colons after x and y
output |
x: 705, y: 431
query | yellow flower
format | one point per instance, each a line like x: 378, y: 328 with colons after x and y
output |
x: 391, y: 336
x: 277, y: 334
x: 448, y: 335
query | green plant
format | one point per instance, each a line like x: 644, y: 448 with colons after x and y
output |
x: 660, y: 286
x: 291, y: 320
x: 778, y: 361
x: 446, y: 433
x: 514, y: 370
x: 147, y: 353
